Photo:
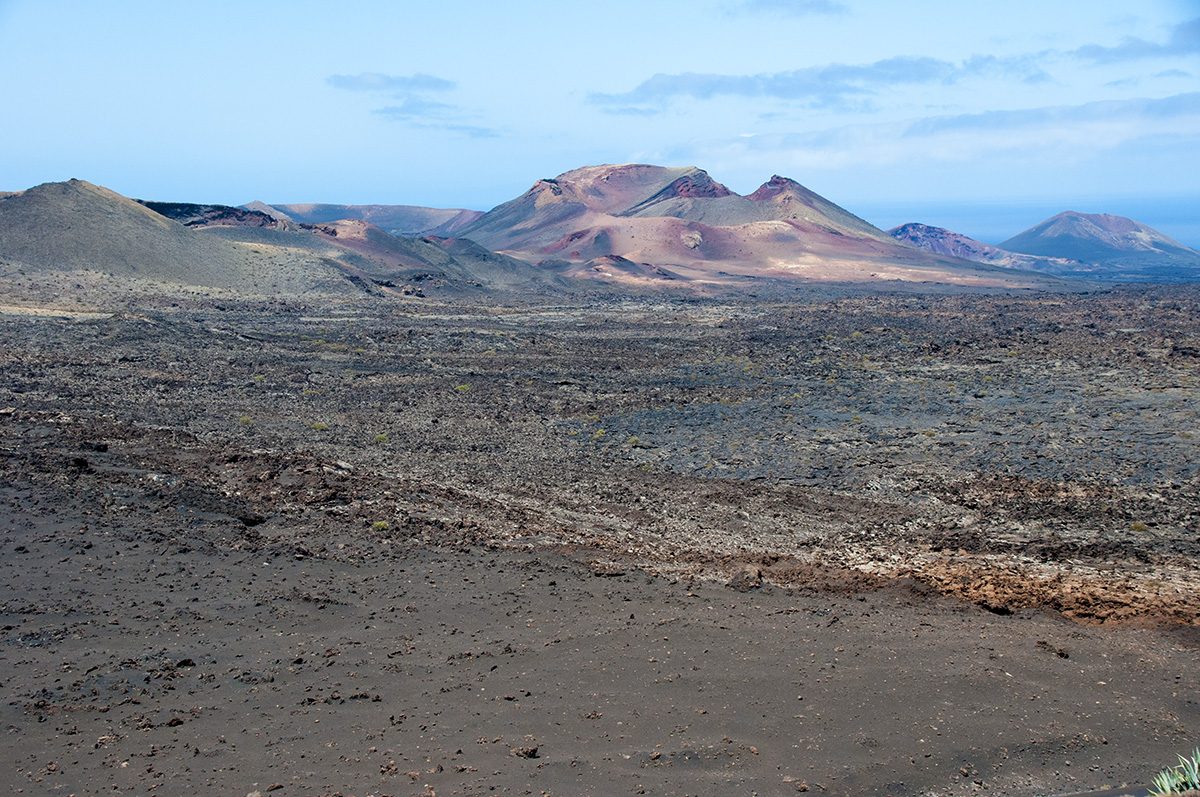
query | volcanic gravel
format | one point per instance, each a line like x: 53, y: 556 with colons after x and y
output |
x: 862, y: 545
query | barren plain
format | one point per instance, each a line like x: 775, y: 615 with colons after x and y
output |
x: 853, y: 544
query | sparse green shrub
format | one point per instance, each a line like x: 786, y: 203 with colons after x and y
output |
x: 319, y: 426
x: 1138, y: 525
x: 632, y: 441
x: 1183, y: 777
x: 380, y: 525
x: 463, y: 388
x: 598, y: 434
x: 381, y: 438
x: 245, y: 420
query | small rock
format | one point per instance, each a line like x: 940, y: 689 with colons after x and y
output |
x: 746, y: 578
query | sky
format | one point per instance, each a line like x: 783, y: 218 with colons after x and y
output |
x: 985, y: 117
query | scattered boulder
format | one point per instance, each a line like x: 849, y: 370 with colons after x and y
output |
x: 746, y: 578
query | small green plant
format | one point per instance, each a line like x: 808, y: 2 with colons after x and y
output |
x: 380, y: 525
x: 319, y: 426
x: 381, y: 438
x: 260, y: 378
x: 632, y: 441
x: 1138, y: 525
x: 1183, y: 777
x: 463, y: 388
x: 598, y: 434
x: 245, y: 420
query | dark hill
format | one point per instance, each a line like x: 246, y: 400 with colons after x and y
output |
x: 77, y: 226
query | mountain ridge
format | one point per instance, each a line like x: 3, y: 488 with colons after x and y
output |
x: 76, y: 226
x: 1096, y: 236
x: 941, y: 240
x: 407, y: 220
x: 1100, y: 246
x: 684, y: 221
x: 367, y: 253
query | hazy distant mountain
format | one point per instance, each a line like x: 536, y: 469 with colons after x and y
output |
x: 364, y: 252
x: 1120, y: 250
x: 395, y: 219
x: 1124, y: 248
x: 684, y: 222
x: 267, y: 210
x: 75, y: 226
x: 947, y: 242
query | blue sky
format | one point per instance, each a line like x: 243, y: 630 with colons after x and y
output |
x: 984, y: 117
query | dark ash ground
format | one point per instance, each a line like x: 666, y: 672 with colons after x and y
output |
x: 461, y: 550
